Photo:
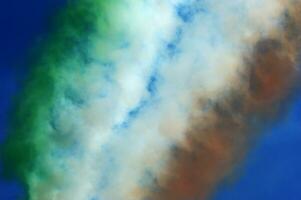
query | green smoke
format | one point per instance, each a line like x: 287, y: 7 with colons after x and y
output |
x: 28, y: 151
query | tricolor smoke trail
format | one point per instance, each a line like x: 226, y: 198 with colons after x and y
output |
x: 151, y: 99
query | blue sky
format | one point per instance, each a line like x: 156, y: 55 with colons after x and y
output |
x: 272, y: 169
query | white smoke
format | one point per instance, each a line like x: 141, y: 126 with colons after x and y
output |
x: 139, y: 97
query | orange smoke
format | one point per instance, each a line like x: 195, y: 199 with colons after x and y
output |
x: 210, y: 152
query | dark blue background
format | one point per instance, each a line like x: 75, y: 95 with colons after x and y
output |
x: 271, y: 171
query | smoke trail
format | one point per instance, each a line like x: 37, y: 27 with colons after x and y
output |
x: 151, y: 99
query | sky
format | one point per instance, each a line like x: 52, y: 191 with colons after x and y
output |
x: 271, y: 168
